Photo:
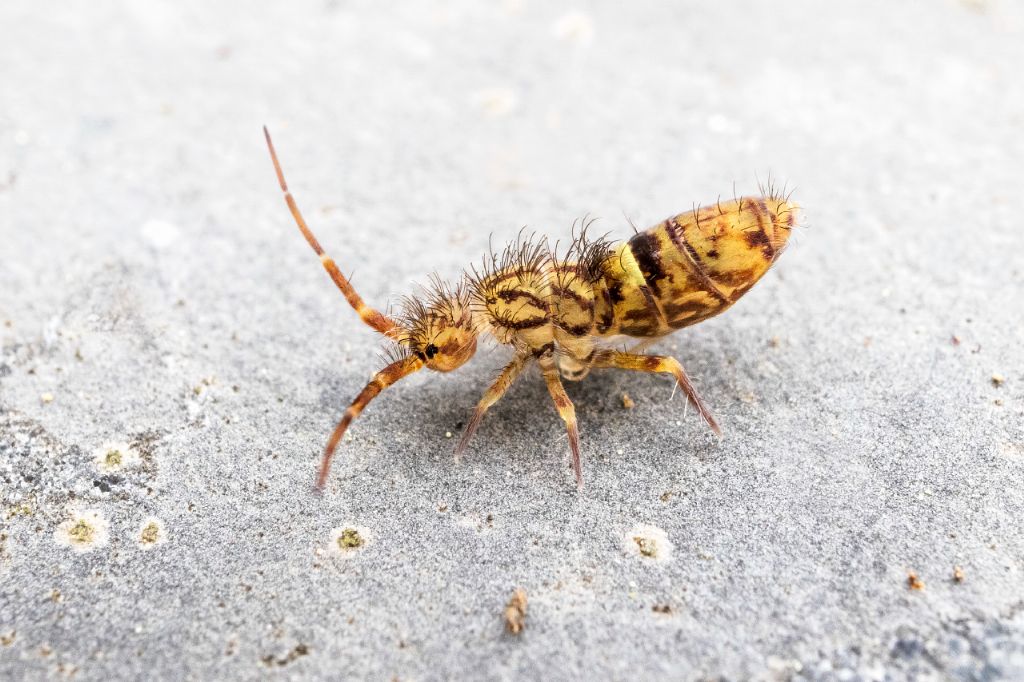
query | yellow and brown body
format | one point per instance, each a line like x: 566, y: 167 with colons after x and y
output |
x: 680, y: 272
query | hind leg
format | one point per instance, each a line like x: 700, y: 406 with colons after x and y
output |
x: 663, y: 364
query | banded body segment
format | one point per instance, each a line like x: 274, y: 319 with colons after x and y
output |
x: 572, y: 306
x: 695, y: 265
x: 736, y: 242
x: 514, y: 303
x: 625, y: 302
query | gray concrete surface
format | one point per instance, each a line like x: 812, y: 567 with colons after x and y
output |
x: 154, y: 293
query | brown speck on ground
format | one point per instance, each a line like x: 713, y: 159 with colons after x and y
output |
x: 958, y: 574
x: 661, y: 608
x: 442, y: 508
x: 350, y: 539
x: 666, y: 495
x: 955, y: 340
x: 8, y: 638
x: 913, y: 582
x: 515, y: 612
x: 56, y: 597
x: 627, y: 402
x: 648, y: 546
x: 998, y: 379
x: 774, y: 342
x: 299, y: 651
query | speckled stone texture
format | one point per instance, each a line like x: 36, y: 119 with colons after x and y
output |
x: 172, y: 356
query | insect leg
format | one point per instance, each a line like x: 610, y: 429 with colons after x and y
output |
x: 493, y: 395
x: 568, y: 414
x: 658, y: 363
x: 370, y: 316
x: 381, y: 380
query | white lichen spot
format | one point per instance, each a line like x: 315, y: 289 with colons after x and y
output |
x: 722, y: 124
x: 647, y: 542
x: 160, y: 234
x: 114, y: 456
x: 348, y: 539
x: 84, y: 531
x: 574, y: 27
x: 495, y: 101
x: 151, y: 532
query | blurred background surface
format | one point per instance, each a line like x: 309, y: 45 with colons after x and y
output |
x: 154, y: 292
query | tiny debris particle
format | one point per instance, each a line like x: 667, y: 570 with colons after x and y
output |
x: 350, y: 539
x: 958, y: 574
x: 515, y: 612
x: 998, y: 379
x: 627, y: 402
x: 299, y: 651
x: 447, y: 434
x: 661, y: 608
x: 442, y: 508
x: 955, y: 340
x: 8, y: 638
x: 774, y: 342
x: 648, y: 546
x: 46, y: 397
x: 913, y: 582
x: 666, y: 495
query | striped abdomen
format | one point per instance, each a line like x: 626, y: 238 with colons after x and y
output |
x: 690, y: 267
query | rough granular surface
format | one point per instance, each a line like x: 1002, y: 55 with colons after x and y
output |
x: 156, y: 296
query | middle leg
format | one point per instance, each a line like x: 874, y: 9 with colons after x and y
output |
x: 567, y: 412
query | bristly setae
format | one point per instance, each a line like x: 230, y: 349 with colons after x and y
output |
x: 562, y: 311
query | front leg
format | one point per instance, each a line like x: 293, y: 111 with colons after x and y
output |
x: 504, y: 381
x: 658, y: 363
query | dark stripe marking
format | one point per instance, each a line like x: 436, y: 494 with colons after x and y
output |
x: 645, y: 250
x: 760, y: 238
x: 692, y: 260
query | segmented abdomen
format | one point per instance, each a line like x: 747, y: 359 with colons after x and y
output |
x: 690, y: 267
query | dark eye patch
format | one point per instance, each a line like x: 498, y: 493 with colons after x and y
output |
x: 431, y: 351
